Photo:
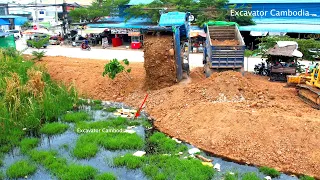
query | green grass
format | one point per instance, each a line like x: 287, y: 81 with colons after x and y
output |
x: 54, y: 128
x: 106, y: 176
x: 2, y: 176
x: 269, y: 171
x: 130, y: 161
x: 229, y: 176
x: 250, y: 176
x: 171, y: 167
x: 97, y: 107
x: 97, y: 102
x: 110, y: 109
x: 20, y: 169
x: 306, y: 178
x: 166, y: 167
x: 59, y: 167
x: 74, y: 117
x: 87, y: 145
x: 25, y: 104
x: 109, y: 123
x: 165, y: 145
x: 27, y: 144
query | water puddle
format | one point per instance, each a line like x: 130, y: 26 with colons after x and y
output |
x: 65, y: 143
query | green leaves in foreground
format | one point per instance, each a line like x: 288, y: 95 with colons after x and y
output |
x: 54, y: 128
x: 20, y: 169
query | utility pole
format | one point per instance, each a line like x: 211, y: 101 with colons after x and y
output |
x: 64, y: 18
x: 56, y: 12
x: 37, y: 14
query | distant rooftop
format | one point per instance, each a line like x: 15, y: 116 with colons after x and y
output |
x: 271, y: 1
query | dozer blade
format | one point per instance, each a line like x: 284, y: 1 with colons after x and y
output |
x: 310, y: 95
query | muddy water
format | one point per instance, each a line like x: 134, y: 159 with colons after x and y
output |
x: 65, y: 143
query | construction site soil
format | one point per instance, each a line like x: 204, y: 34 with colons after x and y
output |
x: 224, y: 43
x: 159, y: 62
x: 247, y: 119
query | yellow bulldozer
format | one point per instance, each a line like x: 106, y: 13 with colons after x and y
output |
x: 310, y: 91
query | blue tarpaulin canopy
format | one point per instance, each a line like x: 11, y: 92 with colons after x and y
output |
x: 3, y: 22
x: 172, y: 19
x: 287, y: 28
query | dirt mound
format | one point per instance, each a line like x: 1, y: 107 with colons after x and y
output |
x: 224, y: 43
x: 159, y: 64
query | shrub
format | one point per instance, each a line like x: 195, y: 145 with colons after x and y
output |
x: 20, y: 169
x: 38, y: 55
x: 114, y: 67
x: 54, y: 128
x: 269, y: 171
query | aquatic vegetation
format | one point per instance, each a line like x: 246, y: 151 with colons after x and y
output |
x: 109, y: 123
x: 20, y: 169
x: 97, y: 107
x: 64, y: 146
x: 87, y: 145
x: 28, y: 98
x: 164, y: 145
x: 106, y: 176
x: 74, y: 117
x: 130, y: 161
x: 97, y: 102
x: 269, y: 171
x: 250, y: 176
x: 60, y: 168
x: 110, y: 109
x: 306, y: 178
x: 54, y: 128
x: 231, y: 176
x: 28, y: 144
x: 2, y: 176
x: 171, y: 167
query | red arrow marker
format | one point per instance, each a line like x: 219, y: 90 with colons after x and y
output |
x: 138, y: 112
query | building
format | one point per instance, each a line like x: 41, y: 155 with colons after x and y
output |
x: 12, y: 22
x: 4, y: 10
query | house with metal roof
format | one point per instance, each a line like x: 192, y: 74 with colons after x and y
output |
x: 288, y: 16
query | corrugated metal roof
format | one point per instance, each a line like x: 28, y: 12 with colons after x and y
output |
x: 172, y: 19
x: 288, y: 28
x: 136, y: 2
x: 271, y: 1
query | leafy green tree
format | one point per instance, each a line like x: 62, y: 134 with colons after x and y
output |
x: 114, y: 67
x: 26, y: 25
x: 203, y: 10
x: 38, y: 44
x: 97, y: 9
x: 304, y: 45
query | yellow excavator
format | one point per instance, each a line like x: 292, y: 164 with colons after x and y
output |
x: 310, y: 92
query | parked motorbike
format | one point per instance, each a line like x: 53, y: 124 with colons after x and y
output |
x: 261, y: 69
x: 85, y: 47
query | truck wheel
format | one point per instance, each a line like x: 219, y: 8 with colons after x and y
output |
x: 207, y: 71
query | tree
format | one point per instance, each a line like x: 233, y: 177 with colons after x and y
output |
x: 114, y: 67
x: 26, y: 25
x: 203, y: 10
x: 39, y: 43
x: 304, y: 45
x: 97, y: 9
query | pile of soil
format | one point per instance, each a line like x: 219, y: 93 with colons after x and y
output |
x: 159, y: 64
x: 224, y: 43
x: 269, y: 126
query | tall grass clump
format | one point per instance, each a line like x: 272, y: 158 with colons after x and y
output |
x: 28, y: 98
x: 269, y: 171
